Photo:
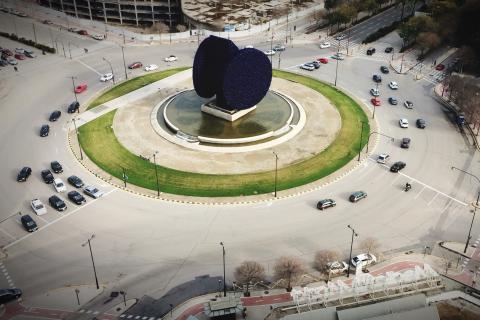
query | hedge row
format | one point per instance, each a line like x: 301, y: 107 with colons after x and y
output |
x: 28, y: 42
x: 381, y: 32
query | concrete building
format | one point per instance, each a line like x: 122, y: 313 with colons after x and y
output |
x: 131, y: 12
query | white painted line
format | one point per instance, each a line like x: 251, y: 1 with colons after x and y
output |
x: 428, y: 204
x: 418, y: 194
x: 86, y: 65
x: 446, y: 207
x: 61, y: 217
x: 8, y: 234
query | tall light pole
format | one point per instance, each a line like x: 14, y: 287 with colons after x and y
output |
x: 78, y: 140
x: 91, y: 255
x: 472, y: 175
x: 351, y: 247
x: 224, y: 281
x: 156, y: 173
x: 124, y: 65
x: 360, y: 143
x: 338, y: 58
x: 276, y: 173
x: 74, y: 92
x: 111, y: 69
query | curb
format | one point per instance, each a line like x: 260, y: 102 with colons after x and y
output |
x: 451, y: 250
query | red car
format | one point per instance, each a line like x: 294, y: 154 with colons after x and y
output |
x: 376, y: 102
x: 135, y: 65
x: 80, y: 88
x: 440, y: 67
x: 323, y: 60
x: 83, y: 32
x: 19, y: 56
x: 7, y: 52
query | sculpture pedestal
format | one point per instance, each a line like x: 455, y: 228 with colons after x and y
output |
x: 229, y: 115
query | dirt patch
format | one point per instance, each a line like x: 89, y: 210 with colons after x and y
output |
x: 458, y: 309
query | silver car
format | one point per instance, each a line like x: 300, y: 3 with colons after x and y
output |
x: 93, y: 192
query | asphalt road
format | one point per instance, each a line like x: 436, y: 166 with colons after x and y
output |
x: 147, y: 246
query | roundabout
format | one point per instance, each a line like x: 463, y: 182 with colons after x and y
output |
x: 323, y: 135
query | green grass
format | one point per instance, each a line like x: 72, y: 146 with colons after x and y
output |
x: 133, y: 84
x: 102, y: 147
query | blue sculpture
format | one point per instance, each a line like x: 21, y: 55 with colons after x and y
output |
x: 238, y: 78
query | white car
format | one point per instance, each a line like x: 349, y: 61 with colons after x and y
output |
x: 151, y: 67
x: 20, y: 50
x: 270, y: 52
x: 279, y: 47
x: 249, y: 46
x: 383, y: 158
x: 106, y: 77
x: 38, y: 207
x: 338, y: 56
x: 59, y: 185
x: 393, y: 85
x: 93, y: 192
x: 97, y: 36
x: 340, y: 37
x: 324, y: 45
x: 337, y: 267
x: 307, y: 66
x: 403, y: 123
x: 171, y: 58
x: 366, y: 258
x: 374, y: 92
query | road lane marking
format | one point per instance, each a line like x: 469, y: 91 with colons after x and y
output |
x: 56, y: 220
x: 418, y: 194
x: 8, y: 234
x: 446, y: 207
x: 429, y: 203
x: 86, y: 65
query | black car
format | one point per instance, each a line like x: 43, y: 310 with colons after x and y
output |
x: 44, y: 130
x: 56, y: 166
x: 316, y: 64
x: 326, y: 203
x: 28, y: 223
x: 76, y: 197
x: 57, y: 203
x: 397, y: 166
x: 388, y: 49
x: 377, y: 78
x: 384, y: 69
x: 73, y: 107
x: 405, y: 143
x: 75, y: 181
x: 370, y: 51
x: 24, y: 174
x: 421, y: 123
x: 393, y: 101
x: 3, y: 63
x: 47, y: 176
x: 55, y: 115
x: 7, y: 295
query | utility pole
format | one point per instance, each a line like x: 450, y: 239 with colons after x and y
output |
x: 276, y: 173
x: 124, y: 65
x: 91, y: 255
x: 74, y: 92
x: 111, y: 69
x: 224, y: 281
x: 124, y: 176
x: 351, y: 247
x: 34, y: 33
x: 338, y: 58
x: 156, y: 174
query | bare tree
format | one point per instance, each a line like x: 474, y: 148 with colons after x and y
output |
x: 181, y: 28
x: 323, y: 258
x: 289, y: 269
x: 370, y: 245
x: 427, y: 41
x: 249, y: 272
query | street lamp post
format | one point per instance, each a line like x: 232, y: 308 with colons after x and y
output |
x: 78, y: 140
x: 124, y: 64
x: 276, y: 174
x: 351, y: 247
x: 73, y: 84
x: 336, y: 68
x: 368, y: 140
x: 360, y: 143
x: 124, y: 177
x: 69, y: 50
x: 124, y: 293
x: 156, y: 173
x: 224, y: 280
x: 472, y: 175
x: 91, y: 255
x: 111, y: 69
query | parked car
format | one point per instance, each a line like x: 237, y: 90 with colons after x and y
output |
x: 366, y: 259
x: 358, y: 195
x: 397, y: 166
x: 248, y: 46
x: 440, y: 67
x: 393, y: 101
x: 19, y: 56
x: 38, y: 207
x: 338, y: 56
x: 316, y: 64
x: 405, y: 144
x: 3, y: 63
x: 76, y: 197
x: 30, y: 54
x: 44, y: 130
x: 170, y: 58
x: 47, y: 176
x: 151, y: 67
x: 408, y: 104
x: 93, y: 192
x: 370, y: 51
x: 47, y: 22
x: 24, y: 174
x: 393, y: 85
x: 20, y: 50
x: 384, y: 69
x: 28, y: 223
x: 326, y: 203
x: 82, y: 32
x: 81, y: 88
x: 340, y: 37
x: 106, y: 77
x: 135, y: 65
x: 57, y: 203
x: 377, y: 78
x: 307, y: 66
x: 59, y: 185
x: 421, y: 124
x: 7, y: 52
x: 56, y: 166
x: 73, y: 107
x: 383, y: 158
x: 325, y: 45
x: 403, y: 123
x: 98, y: 36
x: 270, y: 52
x: 7, y: 295
x: 376, y: 102
x: 55, y: 115
x: 374, y: 92
x: 323, y: 60
x: 279, y: 47
x: 12, y: 61
x: 388, y: 49
x: 75, y: 181
x: 337, y: 267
